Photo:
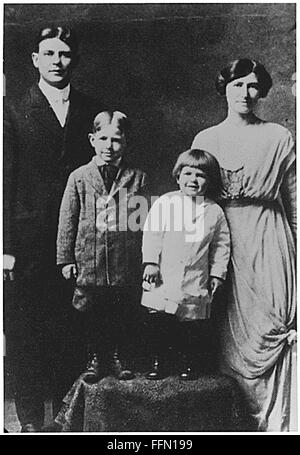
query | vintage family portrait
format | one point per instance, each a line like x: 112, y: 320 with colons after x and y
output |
x: 149, y: 218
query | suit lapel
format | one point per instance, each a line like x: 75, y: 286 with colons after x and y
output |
x: 74, y: 113
x: 123, y: 176
x: 73, y: 121
x: 42, y: 111
x: 97, y: 182
x: 95, y: 179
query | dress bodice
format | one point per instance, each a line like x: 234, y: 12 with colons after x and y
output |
x: 264, y: 155
x: 232, y: 183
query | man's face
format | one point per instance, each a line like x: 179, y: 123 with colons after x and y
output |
x: 54, y: 61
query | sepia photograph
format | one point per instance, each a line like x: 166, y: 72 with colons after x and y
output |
x: 149, y: 220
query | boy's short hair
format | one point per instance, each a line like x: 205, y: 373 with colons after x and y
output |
x: 65, y: 34
x: 115, y: 118
x: 241, y: 68
x: 201, y: 159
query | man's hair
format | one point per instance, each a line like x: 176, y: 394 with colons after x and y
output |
x: 65, y: 34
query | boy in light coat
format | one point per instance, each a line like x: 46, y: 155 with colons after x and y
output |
x: 186, y: 248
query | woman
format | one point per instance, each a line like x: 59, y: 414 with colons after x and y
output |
x: 257, y: 162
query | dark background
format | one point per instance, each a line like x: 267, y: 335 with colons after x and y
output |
x: 158, y: 62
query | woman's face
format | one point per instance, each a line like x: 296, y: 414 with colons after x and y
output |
x: 242, y: 94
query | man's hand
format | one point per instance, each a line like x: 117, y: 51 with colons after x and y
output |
x: 69, y: 271
x: 214, y: 284
x: 152, y: 273
x: 8, y: 267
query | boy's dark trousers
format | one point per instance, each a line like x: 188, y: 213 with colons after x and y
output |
x: 196, y: 346
x: 113, y: 325
x: 162, y: 330
x: 180, y: 344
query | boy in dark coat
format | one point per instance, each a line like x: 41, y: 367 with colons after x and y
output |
x: 99, y: 248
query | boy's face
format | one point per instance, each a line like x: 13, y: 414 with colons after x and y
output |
x: 109, y: 143
x: 192, y: 181
x: 54, y: 62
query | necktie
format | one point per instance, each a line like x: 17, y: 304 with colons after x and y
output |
x: 109, y: 173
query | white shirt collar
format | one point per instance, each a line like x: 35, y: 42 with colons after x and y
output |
x: 100, y: 162
x: 54, y: 94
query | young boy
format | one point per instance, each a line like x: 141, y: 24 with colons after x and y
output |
x: 97, y: 249
x: 186, y: 248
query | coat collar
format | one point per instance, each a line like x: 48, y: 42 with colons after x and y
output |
x: 43, y: 113
x: 37, y: 99
x: 124, y: 175
x: 54, y: 94
x: 41, y: 110
x: 100, y: 162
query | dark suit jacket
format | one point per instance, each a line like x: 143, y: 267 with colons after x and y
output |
x: 38, y: 157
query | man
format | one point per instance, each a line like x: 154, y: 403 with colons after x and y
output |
x: 45, y: 138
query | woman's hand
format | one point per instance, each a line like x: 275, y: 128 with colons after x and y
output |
x: 152, y: 273
x: 69, y: 271
x: 214, y: 284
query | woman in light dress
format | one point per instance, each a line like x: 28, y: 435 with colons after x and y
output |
x: 257, y: 160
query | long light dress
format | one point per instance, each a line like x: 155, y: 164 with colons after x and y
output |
x: 259, y: 200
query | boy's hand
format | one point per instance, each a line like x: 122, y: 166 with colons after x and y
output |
x: 69, y: 271
x: 214, y: 284
x: 151, y: 273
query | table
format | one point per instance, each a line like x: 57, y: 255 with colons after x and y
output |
x: 212, y: 403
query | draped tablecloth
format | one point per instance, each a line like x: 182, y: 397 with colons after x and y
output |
x: 209, y: 404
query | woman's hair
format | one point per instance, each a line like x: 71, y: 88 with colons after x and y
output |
x: 200, y: 159
x: 116, y: 118
x: 241, y: 68
x: 65, y: 34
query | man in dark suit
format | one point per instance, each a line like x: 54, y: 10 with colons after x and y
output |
x: 45, y: 138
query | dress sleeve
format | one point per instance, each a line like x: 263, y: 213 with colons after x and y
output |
x: 68, y: 224
x: 288, y: 196
x: 153, y: 233
x: 219, y: 251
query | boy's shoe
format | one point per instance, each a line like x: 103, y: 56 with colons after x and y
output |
x: 30, y: 428
x: 188, y: 373
x: 156, y: 371
x: 93, y: 372
x: 52, y: 427
x: 120, y: 371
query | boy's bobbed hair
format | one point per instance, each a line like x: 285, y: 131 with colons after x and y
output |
x: 115, y: 118
x: 201, y: 159
x: 241, y: 68
x: 65, y: 34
